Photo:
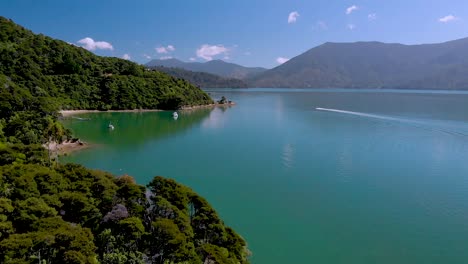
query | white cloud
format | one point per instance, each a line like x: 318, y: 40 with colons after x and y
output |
x: 207, y: 52
x: 165, y: 58
x: 226, y: 58
x: 90, y: 44
x: 164, y: 50
x: 126, y: 56
x: 351, y: 26
x: 351, y: 9
x: 281, y: 60
x: 147, y: 56
x: 292, y: 18
x: 192, y: 59
x: 247, y: 53
x: 161, y: 50
x: 321, y: 25
x: 448, y: 18
x: 372, y: 16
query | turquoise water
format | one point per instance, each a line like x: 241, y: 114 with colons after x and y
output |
x: 376, y: 177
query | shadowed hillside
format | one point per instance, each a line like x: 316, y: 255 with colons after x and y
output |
x: 373, y: 65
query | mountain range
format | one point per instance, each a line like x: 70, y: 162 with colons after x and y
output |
x: 356, y: 65
x: 217, y: 67
x: 373, y: 65
x: 202, y: 79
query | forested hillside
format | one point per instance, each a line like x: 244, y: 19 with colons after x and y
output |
x: 373, y: 65
x: 40, y: 75
x: 202, y: 79
x: 65, y: 213
x: 78, y: 79
x: 70, y: 214
x: 217, y: 67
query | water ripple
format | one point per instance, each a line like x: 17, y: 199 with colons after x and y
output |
x: 287, y: 155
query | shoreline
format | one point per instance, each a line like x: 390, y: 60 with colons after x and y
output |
x: 206, y: 106
x: 69, y: 147
x: 66, y: 147
x: 67, y: 113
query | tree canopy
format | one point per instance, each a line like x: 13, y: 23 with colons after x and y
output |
x: 66, y: 213
x: 40, y: 75
x: 70, y: 214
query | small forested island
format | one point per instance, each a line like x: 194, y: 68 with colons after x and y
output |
x: 66, y: 213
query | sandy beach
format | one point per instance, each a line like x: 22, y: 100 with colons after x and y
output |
x: 67, y: 113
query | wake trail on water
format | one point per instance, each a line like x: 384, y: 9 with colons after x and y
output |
x: 414, y: 123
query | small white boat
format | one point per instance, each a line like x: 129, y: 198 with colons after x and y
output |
x: 110, y: 126
x: 175, y: 115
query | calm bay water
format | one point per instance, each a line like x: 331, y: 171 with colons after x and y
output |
x: 382, y: 180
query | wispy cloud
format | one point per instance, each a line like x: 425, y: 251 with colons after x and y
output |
x: 321, y: 25
x: 447, y: 19
x: 165, y: 58
x: 351, y: 26
x: 207, y: 52
x: 192, y: 59
x: 293, y: 16
x: 281, y: 60
x: 147, y: 56
x: 164, y: 50
x: 351, y: 9
x: 372, y: 16
x: 126, y: 56
x: 89, y: 44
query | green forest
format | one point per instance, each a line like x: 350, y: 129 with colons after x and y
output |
x: 77, y: 79
x: 70, y: 214
x: 66, y: 213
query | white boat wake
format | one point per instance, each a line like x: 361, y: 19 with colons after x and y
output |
x: 416, y: 123
x: 363, y: 114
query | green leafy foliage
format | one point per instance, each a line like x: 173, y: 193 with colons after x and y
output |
x: 40, y: 75
x: 70, y: 214
x: 45, y: 67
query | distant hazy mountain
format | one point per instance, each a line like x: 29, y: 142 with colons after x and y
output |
x: 218, y: 67
x: 373, y: 65
x: 202, y: 79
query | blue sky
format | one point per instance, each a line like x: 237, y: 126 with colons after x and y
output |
x: 248, y: 32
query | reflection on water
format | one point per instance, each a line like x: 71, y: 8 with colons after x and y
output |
x: 134, y: 128
x: 288, y: 155
x: 345, y: 163
x: 215, y: 119
x: 386, y: 186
